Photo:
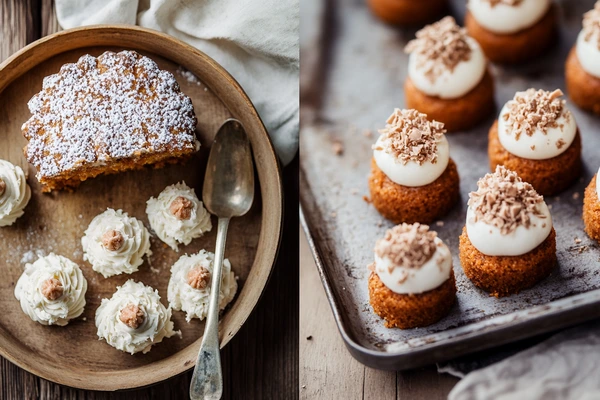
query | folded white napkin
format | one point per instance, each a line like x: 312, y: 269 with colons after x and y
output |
x: 255, y: 40
x: 564, y: 367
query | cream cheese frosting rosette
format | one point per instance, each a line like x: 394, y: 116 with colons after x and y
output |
x: 508, y: 16
x: 536, y: 124
x: 588, y: 42
x: 190, y: 284
x: 444, y: 61
x: 506, y: 216
x: 14, y: 193
x: 52, y: 290
x: 134, y: 319
x: 411, y: 259
x: 115, y: 243
x: 177, y: 215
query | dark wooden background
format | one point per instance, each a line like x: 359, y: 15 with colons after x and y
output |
x: 261, y: 362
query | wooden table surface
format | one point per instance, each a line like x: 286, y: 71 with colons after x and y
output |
x: 261, y: 362
x: 328, y: 371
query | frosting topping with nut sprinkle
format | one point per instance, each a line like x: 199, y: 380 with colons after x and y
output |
x: 506, y: 216
x: 412, y: 259
x: 536, y: 124
x: 591, y: 25
x: 588, y: 42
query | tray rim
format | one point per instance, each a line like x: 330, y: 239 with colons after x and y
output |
x: 145, y: 375
x: 557, y: 314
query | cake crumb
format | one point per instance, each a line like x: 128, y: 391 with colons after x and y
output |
x: 575, y: 195
x: 439, y: 223
x: 309, y: 337
x: 577, y: 240
x: 367, y: 199
x: 338, y: 148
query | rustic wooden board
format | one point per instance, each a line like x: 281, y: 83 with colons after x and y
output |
x: 358, y: 85
x: 55, y: 222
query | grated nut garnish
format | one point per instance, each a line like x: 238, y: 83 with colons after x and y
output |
x: 198, y: 277
x: 52, y: 289
x: 112, y: 240
x: 132, y: 316
x: 591, y: 24
x: 181, y: 208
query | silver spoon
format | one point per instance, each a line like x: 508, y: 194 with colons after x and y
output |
x: 228, y: 192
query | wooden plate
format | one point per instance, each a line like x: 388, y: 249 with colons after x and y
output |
x: 73, y: 355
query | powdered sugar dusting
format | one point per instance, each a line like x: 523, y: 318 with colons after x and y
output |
x: 116, y: 106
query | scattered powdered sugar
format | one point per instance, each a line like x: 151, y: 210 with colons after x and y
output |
x: 440, y: 46
x: 32, y: 255
x: 503, y: 200
x: 188, y: 76
x: 410, y: 136
x: 116, y: 106
x: 591, y: 24
x: 407, y: 245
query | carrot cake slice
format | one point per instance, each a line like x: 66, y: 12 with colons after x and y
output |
x: 508, y: 243
x: 412, y: 281
x: 108, y: 114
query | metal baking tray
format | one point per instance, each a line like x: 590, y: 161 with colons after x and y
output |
x: 353, y: 82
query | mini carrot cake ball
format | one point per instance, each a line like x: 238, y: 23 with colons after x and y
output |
x: 408, y: 12
x: 14, y: 193
x: 412, y: 282
x: 448, y: 78
x: 134, y: 319
x: 412, y: 176
x: 508, y: 243
x: 537, y: 137
x: 115, y: 243
x: 189, y: 286
x: 512, y: 31
x: 52, y: 290
x: 591, y: 208
x: 177, y: 215
x: 582, y: 70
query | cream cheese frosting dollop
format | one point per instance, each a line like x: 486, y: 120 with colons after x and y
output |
x: 52, y: 290
x: 189, y: 286
x: 177, y: 215
x: 587, y: 47
x: 14, y: 193
x: 134, y: 319
x: 444, y: 61
x: 536, y: 124
x: 411, y: 259
x: 115, y: 243
x: 508, y: 16
x: 411, y: 150
x: 506, y: 216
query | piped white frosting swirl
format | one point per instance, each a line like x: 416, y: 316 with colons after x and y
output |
x: 134, y: 245
x: 156, y: 325
x: 71, y: 302
x: 194, y: 301
x: 588, y: 54
x: 14, y: 194
x: 167, y: 226
x: 503, y: 18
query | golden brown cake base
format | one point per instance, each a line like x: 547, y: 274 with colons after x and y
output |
x: 73, y: 178
x: 424, y: 204
x: 583, y: 88
x: 506, y: 275
x: 591, y: 211
x: 516, y: 47
x: 548, y: 177
x: 407, y: 311
x: 408, y: 12
x: 456, y: 114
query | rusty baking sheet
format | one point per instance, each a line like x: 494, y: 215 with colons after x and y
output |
x: 346, y: 96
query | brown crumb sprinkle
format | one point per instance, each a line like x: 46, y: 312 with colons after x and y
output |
x: 112, y: 240
x: 407, y: 245
x: 560, y: 143
x: 52, y: 289
x: 198, y: 277
x: 132, y: 316
x: 181, y: 208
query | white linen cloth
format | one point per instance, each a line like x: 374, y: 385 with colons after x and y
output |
x: 256, y: 41
x: 564, y: 367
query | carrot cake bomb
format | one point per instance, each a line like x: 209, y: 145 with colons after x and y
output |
x: 591, y: 208
x: 104, y: 115
x: 189, y: 286
x: 412, y: 176
x: 177, y: 215
x: 412, y: 282
x: 537, y: 137
x: 408, y: 12
x: 512, y: 31
x: 508, y: 243
x: 115, y: 243
x: 448, y: 78
x: 582, y: 70
x: 52, y: 290
x: 14, y: 193
x: 134, y: 319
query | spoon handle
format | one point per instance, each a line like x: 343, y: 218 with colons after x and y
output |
x: 207, y: 381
